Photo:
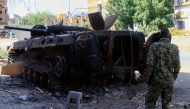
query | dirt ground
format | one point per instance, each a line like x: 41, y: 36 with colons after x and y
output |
x: 23, y: 95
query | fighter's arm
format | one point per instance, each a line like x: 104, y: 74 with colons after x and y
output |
x: 176, y: 63
x: 150, y: 62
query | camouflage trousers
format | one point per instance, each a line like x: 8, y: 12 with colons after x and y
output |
x: 157, y: 88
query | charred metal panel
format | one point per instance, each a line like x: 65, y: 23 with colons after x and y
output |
x: 16, y: 45
x: 44, y: 42
x: 127, y: 49
x: 36, y: 43
x: 66, y: 39
x: 22, y: 44
x: 87, y: 51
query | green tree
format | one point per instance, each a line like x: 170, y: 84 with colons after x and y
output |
x: 36, y: 18
x: 125, y: 9
x: 153, y: 15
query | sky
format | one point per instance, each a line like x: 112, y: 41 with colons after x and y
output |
x: 54, y: 6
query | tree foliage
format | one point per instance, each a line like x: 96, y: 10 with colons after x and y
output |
x: 149, y: 14
x: 153, y: 14
x: 124, y: 9
x: 39, y: 18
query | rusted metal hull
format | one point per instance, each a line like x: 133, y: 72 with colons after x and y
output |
x: 49, y: 61
x: 58, y: 60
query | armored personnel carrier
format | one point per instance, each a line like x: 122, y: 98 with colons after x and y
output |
x: 58, y: 55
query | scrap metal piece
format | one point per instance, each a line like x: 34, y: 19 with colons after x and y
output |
x: 110, y: 20
x: 39, y: 89
x: 12, y: 69
x: 96, y: 21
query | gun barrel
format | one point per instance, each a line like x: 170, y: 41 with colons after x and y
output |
x: 27, y: 29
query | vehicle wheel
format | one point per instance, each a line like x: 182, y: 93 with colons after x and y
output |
x: 60, y: 66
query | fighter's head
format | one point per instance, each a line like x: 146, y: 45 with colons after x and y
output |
x: 164, y: 33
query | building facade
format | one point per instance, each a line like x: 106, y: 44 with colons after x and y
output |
x: 96, y: 6
x: 181, y: 14
x: 81, y: 19
x: 4, y: 18
x: 61, y: 17
x: 76, y: 20
x: 16, y: 17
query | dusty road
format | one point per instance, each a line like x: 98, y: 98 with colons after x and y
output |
x: 181, y: 90
x: 23, y: 95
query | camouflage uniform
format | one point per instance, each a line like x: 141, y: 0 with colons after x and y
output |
x: 163, y: 65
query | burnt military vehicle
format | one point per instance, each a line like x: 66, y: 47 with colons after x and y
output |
x: 58, y: 54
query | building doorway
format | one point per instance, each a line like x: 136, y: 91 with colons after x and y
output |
x: 181, y: 25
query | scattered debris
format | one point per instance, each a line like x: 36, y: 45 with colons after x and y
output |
x: 23, y: 97
x: 10, y: 92
x: 131, y: 94
x: 58, y: 94
x: 186, y: 34
x: 39, y: 89
x: 108, y: 96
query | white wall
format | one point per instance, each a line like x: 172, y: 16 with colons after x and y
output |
x: 176, y: 1
x: 186, y: 20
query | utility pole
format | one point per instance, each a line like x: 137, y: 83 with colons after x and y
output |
x: 69, y: 8
x: 69, y: 13
x: 103, y: 7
